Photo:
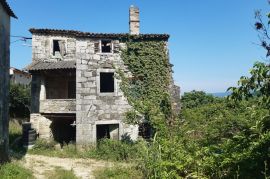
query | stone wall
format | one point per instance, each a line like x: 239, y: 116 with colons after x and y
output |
x: 42, y: 48
x: 4, y: 79
x: 58, y: 106
x: 93, y: 107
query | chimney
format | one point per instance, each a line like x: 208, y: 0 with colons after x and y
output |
x: 134, y: 21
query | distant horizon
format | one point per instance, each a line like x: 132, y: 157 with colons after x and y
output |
x: 212, y: 44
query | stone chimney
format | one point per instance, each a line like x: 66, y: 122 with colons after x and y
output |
x: 134, y: 21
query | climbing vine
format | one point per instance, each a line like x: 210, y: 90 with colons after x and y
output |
x: 147, y: 89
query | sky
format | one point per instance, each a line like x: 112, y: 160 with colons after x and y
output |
x: 212, y: 42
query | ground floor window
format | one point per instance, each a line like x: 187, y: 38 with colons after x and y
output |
x: 109, y: 131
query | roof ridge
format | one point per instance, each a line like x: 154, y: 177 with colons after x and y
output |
x: 77, y: 33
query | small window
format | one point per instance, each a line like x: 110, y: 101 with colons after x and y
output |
x: 106, y: 46
x: 56, y: 47
x: 59, y: 47
x: 106, y: 82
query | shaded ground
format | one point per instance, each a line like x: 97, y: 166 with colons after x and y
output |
x: 82, y: 168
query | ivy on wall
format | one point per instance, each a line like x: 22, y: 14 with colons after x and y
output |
x: 148, y: 88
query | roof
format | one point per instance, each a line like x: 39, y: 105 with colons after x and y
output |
x: 15, y: 70
x: 7, y: 8
x: 41, y: 65
x: 97, y: 35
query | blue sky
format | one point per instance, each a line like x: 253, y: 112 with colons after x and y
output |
x: 212, y: 42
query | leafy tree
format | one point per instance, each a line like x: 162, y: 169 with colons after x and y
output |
x: 19, y: 100
x: 195, y: 99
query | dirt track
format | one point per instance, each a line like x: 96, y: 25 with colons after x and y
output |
x: 82, y: 168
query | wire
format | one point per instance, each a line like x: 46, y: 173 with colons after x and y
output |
x: 23, y: 37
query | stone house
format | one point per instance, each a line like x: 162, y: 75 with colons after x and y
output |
x: 5, y: 14
x: 19, y: 77
x: 75, y: 95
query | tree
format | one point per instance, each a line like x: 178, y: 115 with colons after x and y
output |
x: 196, y: 98
x: 19, y: 104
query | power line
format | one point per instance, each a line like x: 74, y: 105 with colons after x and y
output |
x: 23, y: 37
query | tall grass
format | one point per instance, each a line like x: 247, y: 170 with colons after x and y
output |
x: 106, y: 149
x: 14, y: 170
x: 118, y: 173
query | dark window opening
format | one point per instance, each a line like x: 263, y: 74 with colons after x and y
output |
x: 106, y: 82
x: 56, y: 46
x: 108, y: 131
x: 106, y: 46
x: 145, y: 130
x: 59, y: 47
x: 72, y: 89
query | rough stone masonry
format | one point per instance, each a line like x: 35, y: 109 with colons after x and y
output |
x: 75, y: 89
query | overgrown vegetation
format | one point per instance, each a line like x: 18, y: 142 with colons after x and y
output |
x: 212, y: 138
x: 118, y: 172
x: 13, y: 170
x: 105, y: 150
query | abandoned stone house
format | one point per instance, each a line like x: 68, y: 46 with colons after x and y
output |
x: 75, y: 95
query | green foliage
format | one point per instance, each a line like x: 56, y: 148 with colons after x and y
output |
x: 258, y: 85
x: 147, y: 89
x: 118, y: 150
x: 59, y: 173
x: 14, y: 171
x: 195, y: 99
x: 118, y: 172
x: 19, y: 104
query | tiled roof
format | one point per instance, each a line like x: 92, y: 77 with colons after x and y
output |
x: 97, y: 35
x: 41, y: 65
x: 7, y: 8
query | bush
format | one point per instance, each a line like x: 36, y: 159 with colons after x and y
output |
x: 19, y: 100
x: 14, y: 171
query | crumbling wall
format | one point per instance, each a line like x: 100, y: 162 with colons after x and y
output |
x: 42, y: 48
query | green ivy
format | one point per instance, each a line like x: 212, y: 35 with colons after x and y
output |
x: 148, y: 88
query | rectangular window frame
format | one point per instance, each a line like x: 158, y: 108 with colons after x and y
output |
x: 100, y: 46
x: 98, y: 83
x: 51, y: 46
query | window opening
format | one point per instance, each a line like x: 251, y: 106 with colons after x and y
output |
x: 106, y: 82
x: 106, y: 46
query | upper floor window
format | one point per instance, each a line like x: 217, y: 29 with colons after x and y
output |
x: 59, y: 48
x: 106, y: 82
x: 106, y: 46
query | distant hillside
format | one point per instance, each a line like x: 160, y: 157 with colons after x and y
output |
x: 221, y: 94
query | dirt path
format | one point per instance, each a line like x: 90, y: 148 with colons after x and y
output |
x: 82, y: 168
